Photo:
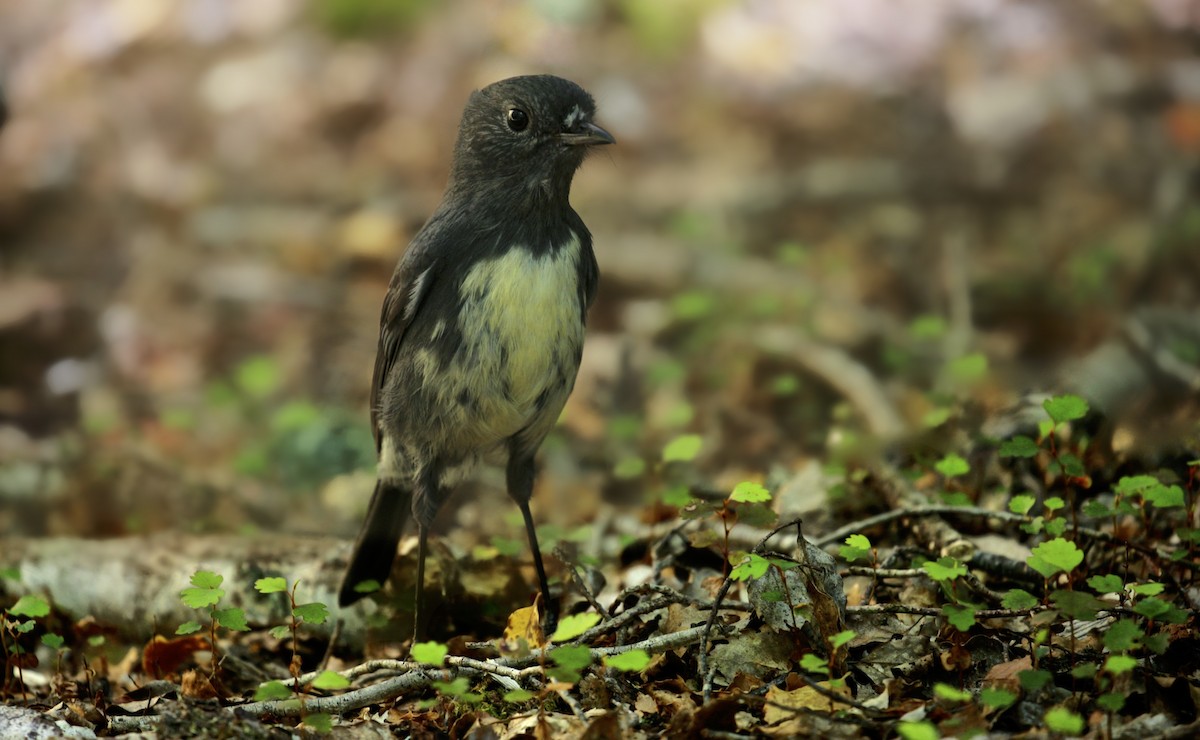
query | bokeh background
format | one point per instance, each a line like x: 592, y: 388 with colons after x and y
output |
x: 825, y: 221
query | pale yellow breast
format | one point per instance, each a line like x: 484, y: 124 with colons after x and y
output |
x: 521, y: 311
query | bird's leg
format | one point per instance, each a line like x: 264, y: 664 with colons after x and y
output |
x: 551, y: 608
x: 520, y: 488
x: 419, y: 596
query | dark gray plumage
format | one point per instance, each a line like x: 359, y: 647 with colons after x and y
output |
x: 483, y: 323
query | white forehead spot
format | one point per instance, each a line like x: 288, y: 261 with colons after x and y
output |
x: 572, y: 117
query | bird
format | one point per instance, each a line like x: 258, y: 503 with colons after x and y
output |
x: 482, y: 327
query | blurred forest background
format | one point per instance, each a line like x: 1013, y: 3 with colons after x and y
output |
x: 825, y: 222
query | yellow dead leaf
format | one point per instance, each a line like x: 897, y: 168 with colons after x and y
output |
x: 784, y: 704
x: 524, y: 624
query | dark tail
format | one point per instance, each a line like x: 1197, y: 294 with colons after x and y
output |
x: 375, y: 549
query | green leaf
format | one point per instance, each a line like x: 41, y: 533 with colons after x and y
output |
x: 629, y: 468
x: 635, y: 660
x: 320, y: 722
x: 1077, y: 604
x: 53, y: 641
x: 952, y: 466
x: 1054, y: 503
x: 753, y: 566
x: 997, y: 698
x: 10, y: 573
x: 271, y: 585
x: 368, y: 586
x: 1124, y: 634
x: 857, y: 547
x: 1032, y: 680
x: 205, y: 590
x: 683, y: 448
x: 258, y: 377
x: 927, y: 326
x: 1054, y: 556
x: 272, y: 691
x: 749, y: 492
x: 1018, y: 446
x: 1111, y: 702
x: 188, y: 628
x: 677, y: 496
x: 841, y: 638
x: 756, y: 515
x: 960, y: 616
x: 232, y: 618
x: 1152, y: 608
x: 517, y: 696
x: 313, y: 613
x: 1165, y: 497
x: 329, y: 681
x: 814, y: 664
x: 1021, y: 504
x: 1108, y: 584
x: 280, y: 632
x: 1018, y: 599
x: 1061, y: 719
x: 430, y: 653
x: 1065, y: 408
x: 950, y: 693
x: 1118, y: 664
x: 945, y: 569
x: 575, y: 625
x: 1148, y: 589
x: 969, y: 368
x: 693, y: 304
x: 456, y: 687
x: 922, y: 730
x: 1084, y: 672
x: 30, y: 606
x: 569, y: 662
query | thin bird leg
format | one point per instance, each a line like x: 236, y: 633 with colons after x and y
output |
x: 551, y: 610
x: 418, y: 601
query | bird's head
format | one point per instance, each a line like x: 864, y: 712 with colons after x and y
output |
x: 528, y: 132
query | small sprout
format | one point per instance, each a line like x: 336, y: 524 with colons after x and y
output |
x: 1018, y: 599
x: 1065, y: 408
x: 753, y: 566
x: 330, y: 681
x: 683, y: 448
x: 952, y: 466
x: 749, y: 492
x: 960, y: 616
x: 633, y: 661
x: 30, y: 606
x: 1055, y: 556
x: 518, y: 696
x: 569, y: 662
x: 857, y: 547
x: 320, y: 722
x: 272, y: 691
x: 1061, y: 719
x: 574, y: 626
x: 270, y: 585
x: 1021, y: 504
x: 1018, y: 446
x: 205, y: 590
x: 997, y: 698
x: 430, y: 653
x: 922, y: 730
x: 232, y: 618
x: 1032, y: 680
x: 950, y: 693
x: 1108, y: 584
x: 313, y: 613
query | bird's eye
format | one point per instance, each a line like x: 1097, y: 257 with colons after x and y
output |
x: 518, y: 120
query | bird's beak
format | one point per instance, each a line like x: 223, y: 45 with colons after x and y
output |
x: 586, y: 133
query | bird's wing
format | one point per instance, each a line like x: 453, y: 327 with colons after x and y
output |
x: 410, y: 286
